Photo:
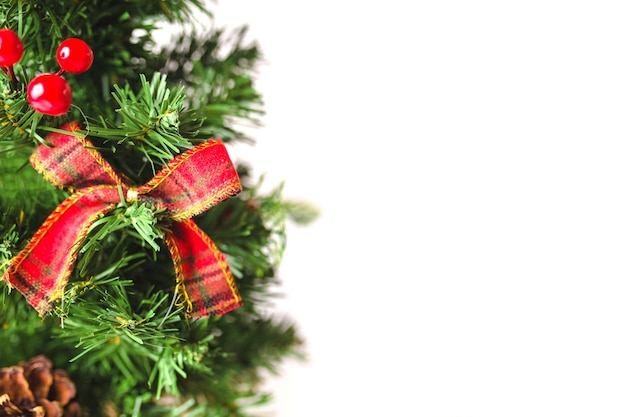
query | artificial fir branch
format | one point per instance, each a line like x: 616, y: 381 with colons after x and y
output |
x: 122, y: 325
x: 119, y: 329
x: 218, y: 78
x: 149, y: 122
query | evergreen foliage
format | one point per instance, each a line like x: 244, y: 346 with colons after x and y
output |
x: 118, y: 331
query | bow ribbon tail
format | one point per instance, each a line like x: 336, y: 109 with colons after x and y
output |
x: 203, y: 277
x: 41, y: 270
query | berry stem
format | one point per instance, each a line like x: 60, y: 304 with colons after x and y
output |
x: 14, y: 83
x: 60, y: 72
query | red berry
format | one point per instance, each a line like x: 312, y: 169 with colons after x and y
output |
x: 11, y: 48
x: 49, y: 94
x: 74, y: 55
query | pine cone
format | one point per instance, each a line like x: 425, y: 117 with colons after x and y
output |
x: 35, y: 389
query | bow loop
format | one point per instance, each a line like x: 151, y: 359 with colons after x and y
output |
x: 71, y: 161
x: 191, y: 183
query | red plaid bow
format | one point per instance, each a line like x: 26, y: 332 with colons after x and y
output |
x: 190, y: 184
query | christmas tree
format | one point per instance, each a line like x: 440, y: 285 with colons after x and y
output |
x: 138, y: 259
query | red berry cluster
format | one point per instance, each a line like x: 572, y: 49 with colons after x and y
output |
x: 47, y: 93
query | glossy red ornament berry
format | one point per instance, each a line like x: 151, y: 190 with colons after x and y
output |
x: 74, y: 55
x: 49, y: 94
x: 11, y: 48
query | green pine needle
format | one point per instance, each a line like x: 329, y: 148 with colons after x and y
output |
x: 148, y: 121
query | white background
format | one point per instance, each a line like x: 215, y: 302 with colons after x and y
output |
x: 469, y: 159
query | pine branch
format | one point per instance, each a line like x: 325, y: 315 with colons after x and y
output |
x: 119, y: 324
x: 216, y: 68
x: 151, y: 122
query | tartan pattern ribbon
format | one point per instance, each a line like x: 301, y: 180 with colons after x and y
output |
x: 188, y: 185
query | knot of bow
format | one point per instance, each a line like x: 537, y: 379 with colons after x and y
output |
x: 188, y: 185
